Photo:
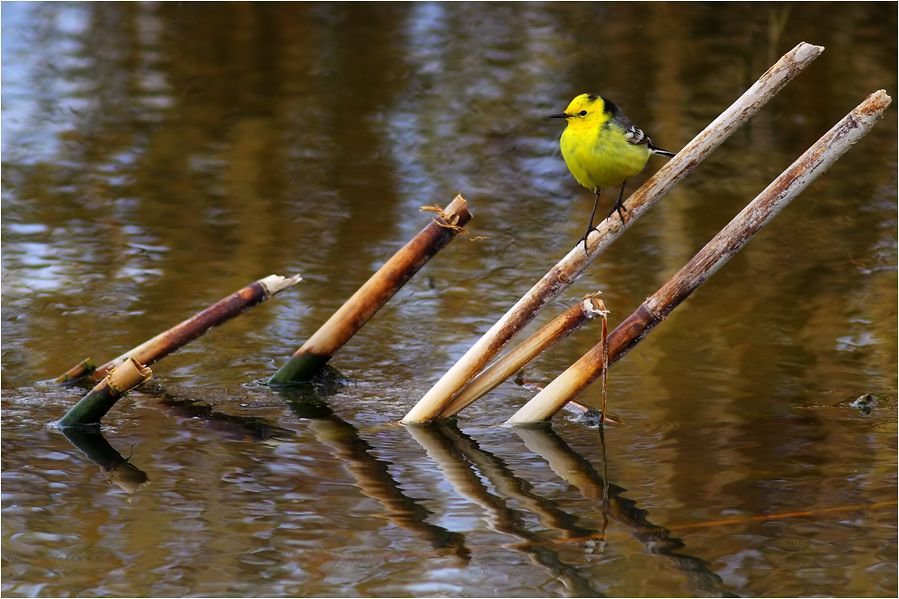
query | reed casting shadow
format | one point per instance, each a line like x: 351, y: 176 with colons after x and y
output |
x: 193, y: 405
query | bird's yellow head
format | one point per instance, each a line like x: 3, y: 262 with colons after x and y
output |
x: 586, y: 111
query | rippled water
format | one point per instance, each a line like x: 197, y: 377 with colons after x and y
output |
x: 156, y: 157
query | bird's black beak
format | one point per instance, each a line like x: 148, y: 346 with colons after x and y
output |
x: 561, y: 115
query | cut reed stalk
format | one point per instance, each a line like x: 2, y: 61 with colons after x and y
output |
x: 93, y: 406
x: 153, y: 350
x: 816, y: 160
x: 369, y: 298
x: 567, y: 270
x: 527, y: 350
x: 604, y: 340
x: 78, y: 372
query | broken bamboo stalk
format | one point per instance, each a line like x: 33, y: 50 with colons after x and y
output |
x: 567, y: 270
x: 93, y: 406
x: 816, y: 160
x: 79, y: 371
x: 527, y: 350
x: 373, y: 294
x: 153, y: 350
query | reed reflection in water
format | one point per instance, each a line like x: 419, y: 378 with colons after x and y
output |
x: 372, y: 475
x: 117, y: 469
x: 471, y: 470
x: 158, y: 155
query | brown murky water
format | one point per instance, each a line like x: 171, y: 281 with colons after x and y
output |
x: 157, y: 157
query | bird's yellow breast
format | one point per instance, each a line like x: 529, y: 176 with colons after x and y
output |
x: 599, y: 155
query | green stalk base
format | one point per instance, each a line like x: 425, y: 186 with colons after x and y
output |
x: 92, y: 407
x: 299, y: 369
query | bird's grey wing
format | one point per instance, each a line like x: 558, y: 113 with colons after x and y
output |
x: 632, y: 133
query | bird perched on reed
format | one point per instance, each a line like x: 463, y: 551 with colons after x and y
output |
x: 603, y: 148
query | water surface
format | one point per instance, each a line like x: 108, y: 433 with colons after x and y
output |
x: 156, y: 157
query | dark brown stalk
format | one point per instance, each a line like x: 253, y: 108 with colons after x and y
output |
x: 369, y: 298
x: 604, y: 340
x: 155, y: 349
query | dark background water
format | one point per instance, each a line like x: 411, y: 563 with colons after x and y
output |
x: 156, y: 157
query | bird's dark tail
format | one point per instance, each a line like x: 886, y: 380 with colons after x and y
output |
x: 660, y: 151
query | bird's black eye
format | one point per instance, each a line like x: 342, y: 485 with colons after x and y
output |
x: 583, y: 113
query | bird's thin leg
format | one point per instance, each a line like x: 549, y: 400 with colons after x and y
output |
x: 619, y: 206
x: 590, y: 227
